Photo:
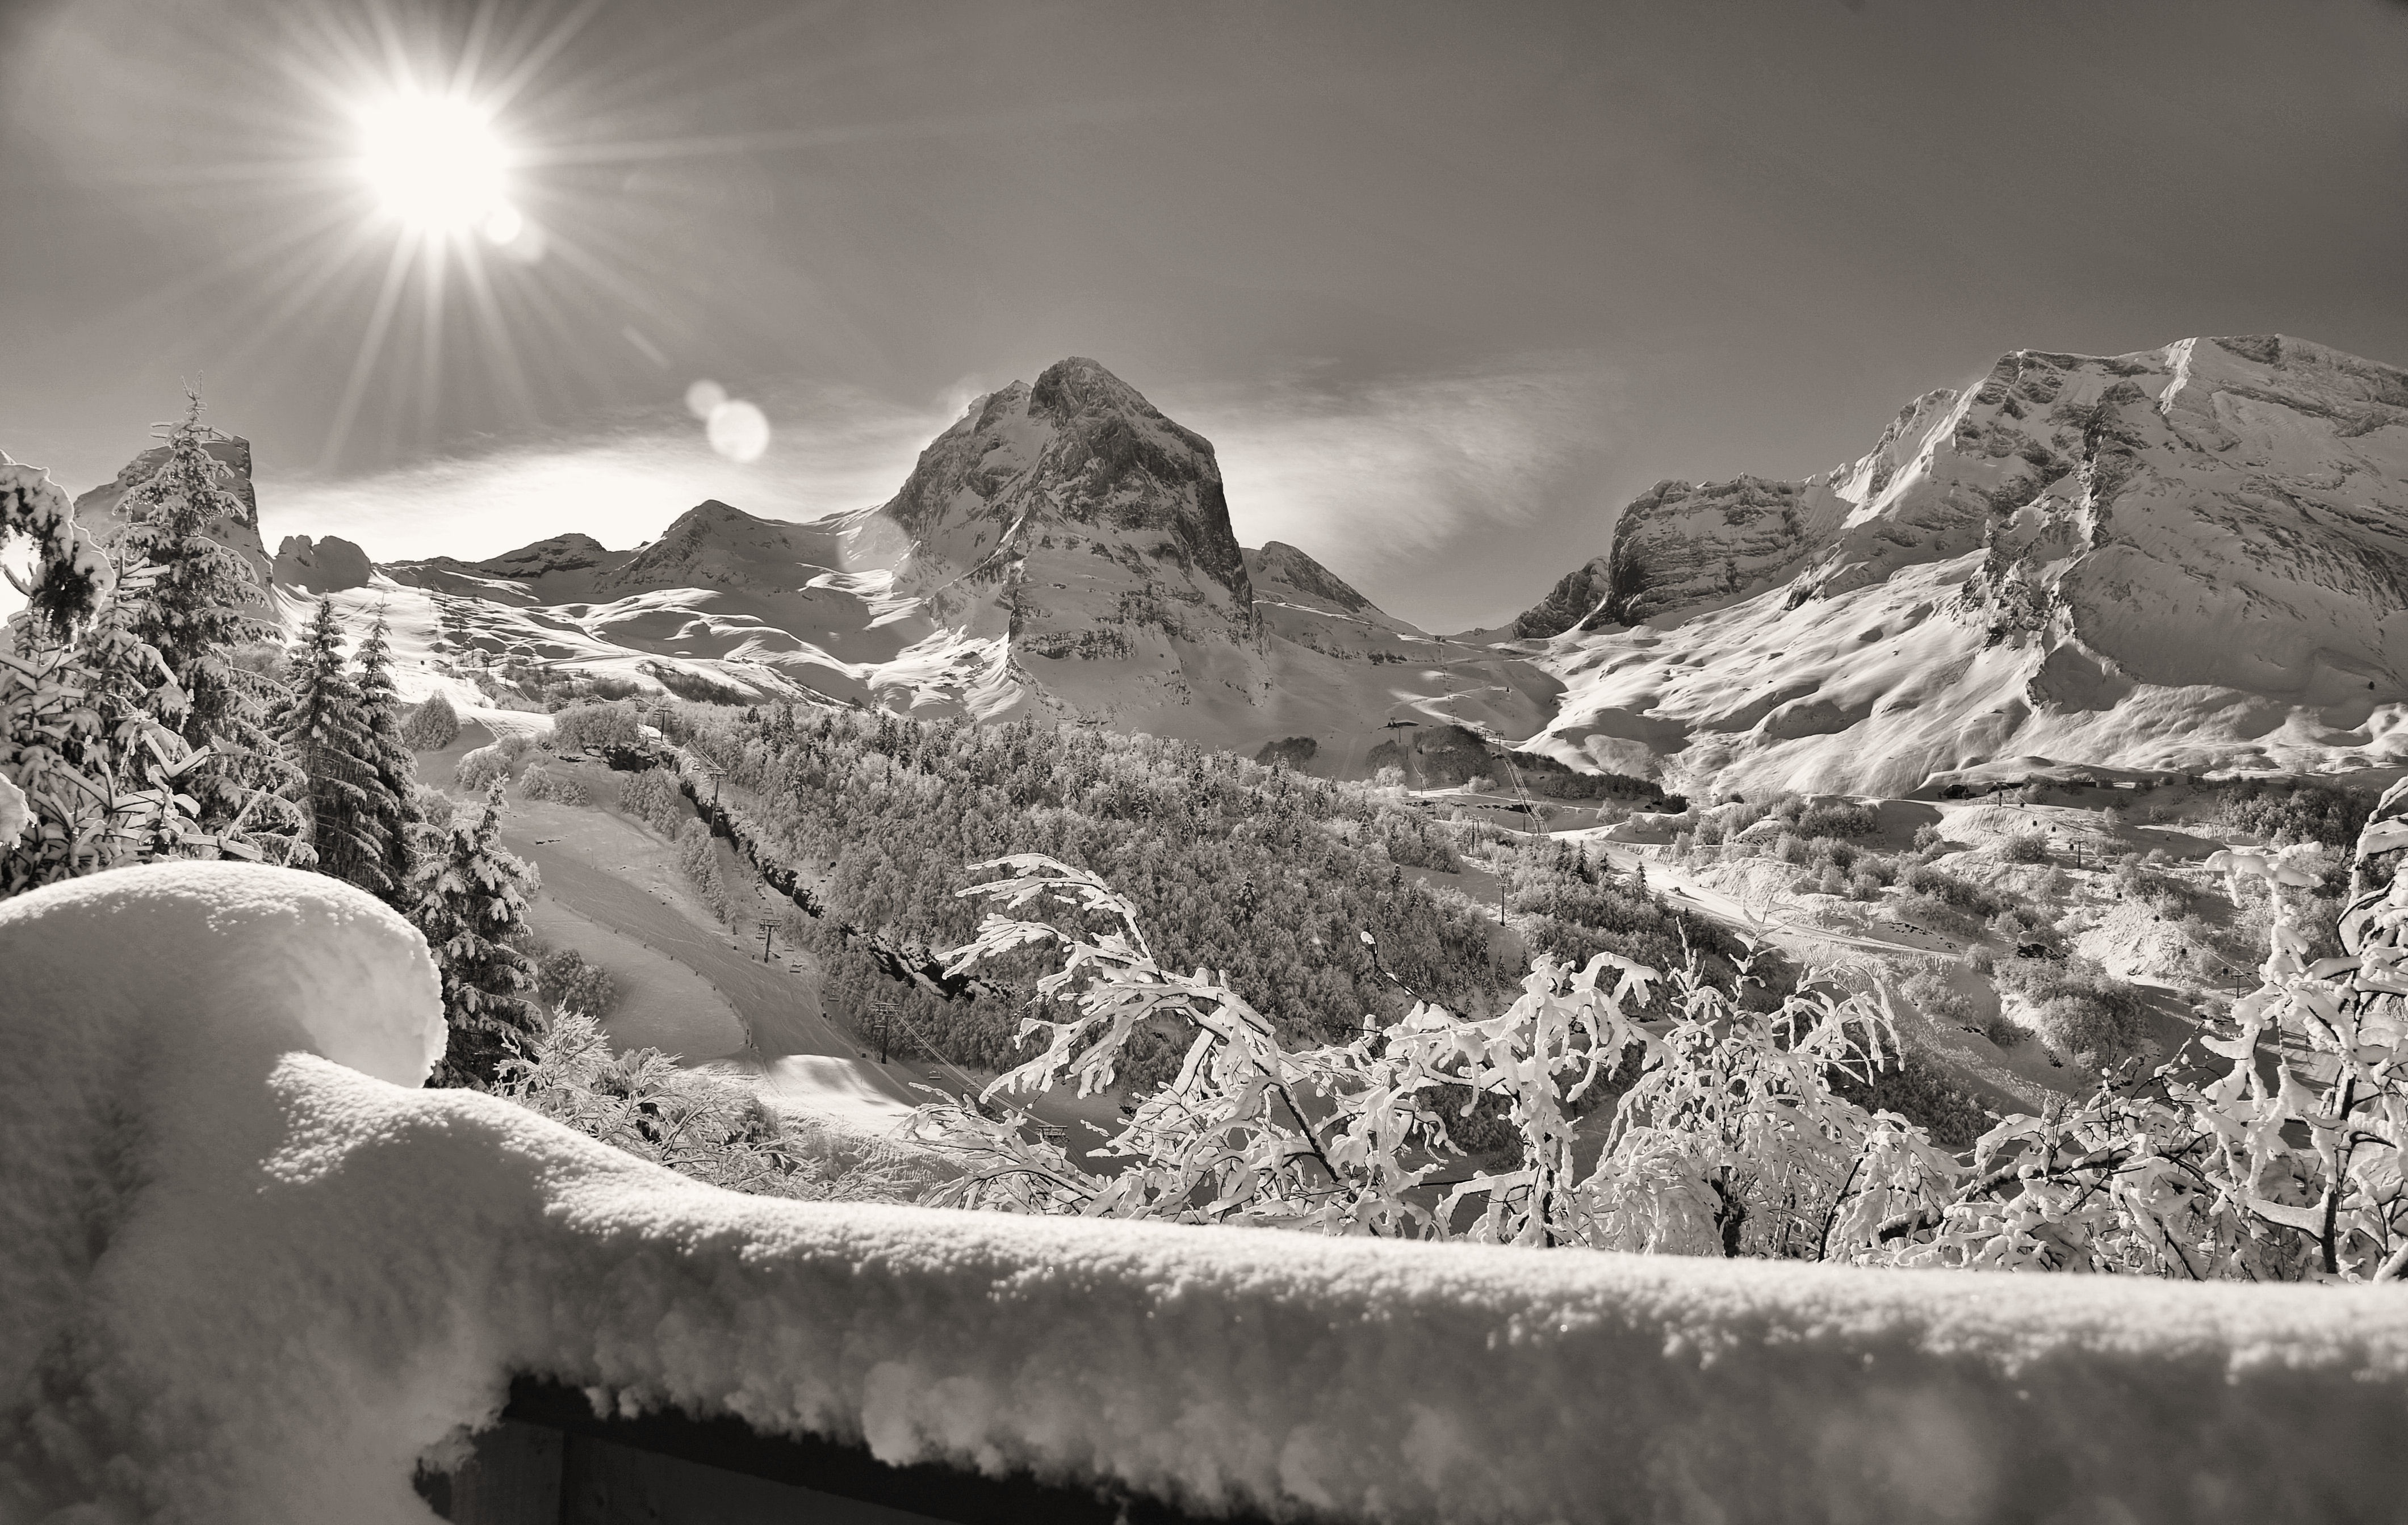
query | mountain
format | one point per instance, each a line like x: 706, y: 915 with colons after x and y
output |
x: 2186, y: 558
x: 1063, y: 550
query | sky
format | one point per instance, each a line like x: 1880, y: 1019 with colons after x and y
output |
x: 1445, y: 284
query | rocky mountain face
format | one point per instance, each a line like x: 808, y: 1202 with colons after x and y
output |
x: 1073, y: 519
x: 326, y: 566
x: 2194, y: 556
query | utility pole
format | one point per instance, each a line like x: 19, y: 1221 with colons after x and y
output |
x: 765, y: 942
x: 885, y: 1012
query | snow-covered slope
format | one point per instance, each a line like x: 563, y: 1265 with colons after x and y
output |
x: 2193, y: 557
x: 252, y: 1273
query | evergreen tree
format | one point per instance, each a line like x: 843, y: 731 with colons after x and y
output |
x: 392, y: 785
x: 472, y: 909
x: 204, y: 600
x: 88, y: 747
x: 325, y: 733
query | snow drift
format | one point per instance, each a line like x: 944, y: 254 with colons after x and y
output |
x: 252, y: 1273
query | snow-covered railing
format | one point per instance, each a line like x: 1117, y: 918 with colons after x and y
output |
x: 252, y: 1271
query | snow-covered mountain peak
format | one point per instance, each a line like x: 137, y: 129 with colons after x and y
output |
x: 2195, y: 555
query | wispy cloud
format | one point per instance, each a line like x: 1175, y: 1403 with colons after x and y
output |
x: 1378, y: 476
x: 830, y: 449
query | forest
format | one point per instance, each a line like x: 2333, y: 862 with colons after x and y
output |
x: 1271, y: 877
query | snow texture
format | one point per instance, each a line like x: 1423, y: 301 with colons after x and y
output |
x: 253, y: 1273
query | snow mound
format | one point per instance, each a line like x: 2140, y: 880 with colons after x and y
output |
x: 244, y: 1281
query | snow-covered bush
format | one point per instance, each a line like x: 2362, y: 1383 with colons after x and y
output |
x: 480, y: 769
x: 709, y: 1126
x: 597, y: 728
x: 566, y: 982
x: 432, y: 727
x: 541, y: 782
x: 1731, y: 1138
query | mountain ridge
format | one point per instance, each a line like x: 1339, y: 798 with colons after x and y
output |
x: 2082, y: 536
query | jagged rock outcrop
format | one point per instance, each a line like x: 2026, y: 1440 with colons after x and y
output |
x: 2189, y: 557
x: 1073, y: 517
x: 327, y: 566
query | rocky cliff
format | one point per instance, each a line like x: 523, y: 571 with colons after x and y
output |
x: 326, y: 566
x: 2195, y: 555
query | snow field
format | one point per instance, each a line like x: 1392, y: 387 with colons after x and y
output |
x: 252, y: 1273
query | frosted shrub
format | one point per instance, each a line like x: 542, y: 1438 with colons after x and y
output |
x: 2026, y: 847
x: 566, y: 982
x: 702, y: 1125
x: 597, y: 728
x: 1732, y: 1139
x: 541, y: 782
x: 2234, y: 1177
x: 432, y: 727
x: 478, y: 771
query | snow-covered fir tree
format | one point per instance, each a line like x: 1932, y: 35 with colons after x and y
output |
x: 393, y: 781
x: 434, y: 726
x: 324, y: 732
x: 204, y: 600
x: 471, y: 909
x: 87, y: 708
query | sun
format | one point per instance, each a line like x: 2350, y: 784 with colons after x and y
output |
x: 436, y: 163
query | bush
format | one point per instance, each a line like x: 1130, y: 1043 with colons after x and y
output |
x: 597, y: 728
x: 1290, y: 751
x: 543, y: 784
x: 2086, y: 1015
x: 1959, y: 894
x: 1835, y: 819
x: 432, y: 727
x: 2281, y: 812
x: 2026, y: 847
x: 567, y: 983
x: 702, y: 1125
x: 1941, y: 1003
x: 1927, y: 838
x: 478, y: 769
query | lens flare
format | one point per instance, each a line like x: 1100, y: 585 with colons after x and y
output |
x: 435, y: 164
x: 738, y: 431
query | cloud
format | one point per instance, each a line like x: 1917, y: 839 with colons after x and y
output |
x: 830, y: 449
x: 1386, y: 472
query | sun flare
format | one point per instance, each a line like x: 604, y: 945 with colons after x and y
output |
x: 437, y: 164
